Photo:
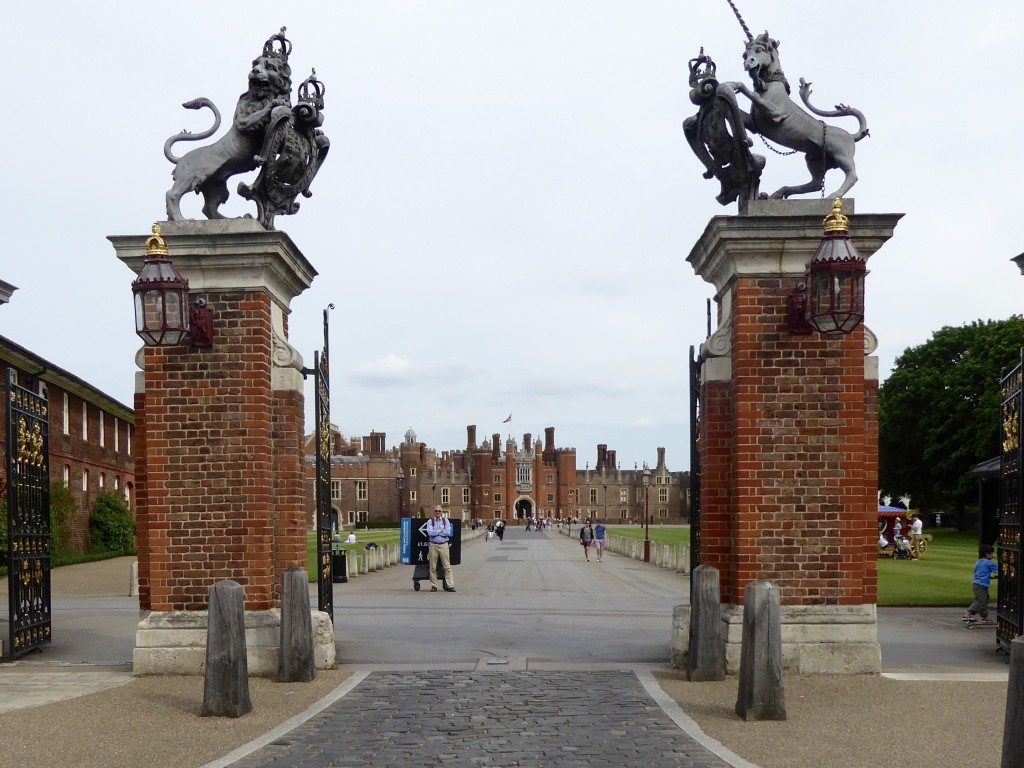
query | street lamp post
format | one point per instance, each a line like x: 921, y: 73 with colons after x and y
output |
x: 400, y: 484
x: 647, y: 516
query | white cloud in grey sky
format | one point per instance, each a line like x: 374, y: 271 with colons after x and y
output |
x: 503, y: 219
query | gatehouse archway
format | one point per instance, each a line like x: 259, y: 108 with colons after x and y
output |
x: 524, y: 508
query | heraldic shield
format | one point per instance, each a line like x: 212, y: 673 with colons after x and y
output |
x: 293, y: 151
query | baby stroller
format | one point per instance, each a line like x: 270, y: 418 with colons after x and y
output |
x: 901, y: 549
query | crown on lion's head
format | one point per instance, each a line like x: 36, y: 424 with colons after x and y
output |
x: 278, y: 46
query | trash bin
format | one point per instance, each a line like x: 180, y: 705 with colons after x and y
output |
x: 339, y: 569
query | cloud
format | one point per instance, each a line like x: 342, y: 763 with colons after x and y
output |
x: 388, y: 371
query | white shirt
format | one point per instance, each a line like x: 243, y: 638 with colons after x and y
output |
x: 351, y: 538
x: 916, y: 528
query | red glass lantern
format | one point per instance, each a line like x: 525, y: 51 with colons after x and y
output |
x: 161, y: 297
x: 836, y: 279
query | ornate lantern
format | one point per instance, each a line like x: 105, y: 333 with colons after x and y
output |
x: 161, y: 297
x: 836, y: 278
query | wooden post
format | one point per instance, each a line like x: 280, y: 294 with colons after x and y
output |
x: 295, y: 660
x: 226, y: 688
x: 706, y: 653
x: 761, y: 695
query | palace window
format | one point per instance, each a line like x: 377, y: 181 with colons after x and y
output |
x: 335, y: 490
x: 85, y: 421
x: 623, y: 515
x: 662, y: 513
x: 624, y: 495
x: 117, y: 434
x: 67, y: 475
x: 551, y: 498
x: 524, y: 474
x: 663, y: 495
x: 412, y: 471
x: 67, y: 416
x: 446, y: 496
x: 465, y: 495
x: 551, y: 479
x: 85, y: 479
x: 412, y: 495
x: 497, y: 498
x: 103, y: 433
x: 593, y: 495
x: 360, y: 490
x: 497, y: 479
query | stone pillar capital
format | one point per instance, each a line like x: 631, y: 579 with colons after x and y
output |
x: 777, y: 238
x: 227, y: 255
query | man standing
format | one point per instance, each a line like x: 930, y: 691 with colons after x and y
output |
x: 439, y: 532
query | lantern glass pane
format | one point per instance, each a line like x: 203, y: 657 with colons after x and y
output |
x: 153, y: 303
x: 172, y: 310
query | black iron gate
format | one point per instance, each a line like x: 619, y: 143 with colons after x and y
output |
x: 28, y: 518
x: 695, y: 363
x: 1011, y: 595
x: 324, y: 528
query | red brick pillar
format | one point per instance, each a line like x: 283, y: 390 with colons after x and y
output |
x: 220, y: 486
x: 789, y: 438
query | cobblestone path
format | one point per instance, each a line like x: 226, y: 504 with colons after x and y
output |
x: 508, y: 718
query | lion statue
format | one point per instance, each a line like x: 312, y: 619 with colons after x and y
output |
x: 206, y: 169
x: 774, y: 115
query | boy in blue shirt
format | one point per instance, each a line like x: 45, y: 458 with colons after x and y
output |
x: 599, y: 540
x: 985, y: 570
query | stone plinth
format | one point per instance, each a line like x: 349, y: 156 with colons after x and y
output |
x: 219, y: 475
x: 174, y: 642
x: 789, y: 433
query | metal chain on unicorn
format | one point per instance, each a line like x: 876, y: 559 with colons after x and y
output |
x: 740, y: 19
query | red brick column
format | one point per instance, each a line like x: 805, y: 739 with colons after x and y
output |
x: 219, y: 461
x: 789, y: 422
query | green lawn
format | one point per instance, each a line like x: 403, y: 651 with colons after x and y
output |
x: 381, y: 536
x: 941, y: 577
x: 674, y: 535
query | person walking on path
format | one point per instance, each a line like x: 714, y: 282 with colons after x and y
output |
x: 985, y: 570
x: 499, y: 528
x: 439, y: 532
x: 586, y: 539
x: 599, y: 530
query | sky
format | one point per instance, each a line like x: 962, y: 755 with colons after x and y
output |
x: 504, y: 217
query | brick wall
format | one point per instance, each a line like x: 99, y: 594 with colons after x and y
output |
x: 209, y: 461
x: 789, y: 457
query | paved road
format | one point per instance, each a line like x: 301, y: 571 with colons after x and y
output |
x: 529, y: 599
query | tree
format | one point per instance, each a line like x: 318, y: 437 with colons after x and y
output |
x: 112, y: 526
x: 939, y: 411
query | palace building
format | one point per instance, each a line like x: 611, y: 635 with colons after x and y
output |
x: 493, y: 480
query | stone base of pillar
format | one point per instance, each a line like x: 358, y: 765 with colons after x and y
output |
x: 174, y: 642
x: 816, y: 640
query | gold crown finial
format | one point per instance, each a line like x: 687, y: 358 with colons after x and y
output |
x: 155, y: 245
x: 836, y: 221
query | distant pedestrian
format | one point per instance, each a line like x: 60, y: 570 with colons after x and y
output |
x: 985, y: 570
x: 586, y: 538
x: 529, y: 523
x: 499, y: 528
x: 916, y: 534
x: 599, y: 530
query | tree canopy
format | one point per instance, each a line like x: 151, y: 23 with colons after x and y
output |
x: 939, y: 412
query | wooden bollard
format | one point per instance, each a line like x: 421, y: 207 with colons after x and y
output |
x: 226, y: 687
x: 706, y: 651
x: 761, y: 695
x: 295, y: 660
x: 1013, y: 734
